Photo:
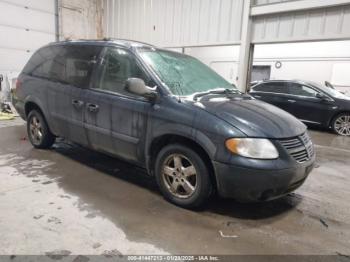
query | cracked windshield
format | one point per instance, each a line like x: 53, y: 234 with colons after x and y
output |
x: 183, y: 75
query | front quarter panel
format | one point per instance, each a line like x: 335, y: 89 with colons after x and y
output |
x: 339, y: 106
x: 172, y: 117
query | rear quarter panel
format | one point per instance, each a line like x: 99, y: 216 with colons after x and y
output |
x: 32, y: 90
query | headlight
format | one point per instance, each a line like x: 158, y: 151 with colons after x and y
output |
x: 252, y: 148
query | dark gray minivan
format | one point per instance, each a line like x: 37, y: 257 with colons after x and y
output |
x: 166, y: 112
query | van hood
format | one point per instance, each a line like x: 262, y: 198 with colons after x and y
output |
x: 253, y: 117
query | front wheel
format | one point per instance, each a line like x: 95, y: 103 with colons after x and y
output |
x: 182, y: 176
x: 341, y: 124
x: 38, y: 131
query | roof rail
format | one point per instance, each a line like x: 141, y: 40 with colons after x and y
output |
x: 126, y: 40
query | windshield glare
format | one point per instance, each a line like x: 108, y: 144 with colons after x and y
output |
x: 184, y: 75
x: 333, y: 92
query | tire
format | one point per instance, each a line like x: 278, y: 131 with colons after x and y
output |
x: 193, y: 172
x: 38, y: 131
x: 341, y: 124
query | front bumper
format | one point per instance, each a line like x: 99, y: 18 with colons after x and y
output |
x: 252, y: 185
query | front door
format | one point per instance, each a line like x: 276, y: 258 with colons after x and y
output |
x: 115, y: 120
x: 306, y: 106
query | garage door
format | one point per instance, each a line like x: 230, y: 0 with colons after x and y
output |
x: 25, y: 25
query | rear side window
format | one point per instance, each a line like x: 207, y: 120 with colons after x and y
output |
x: 74, y: 64
x: 40, y: 63
x: 280, y: 88
x: 262, y: 88
x: 66, y: 64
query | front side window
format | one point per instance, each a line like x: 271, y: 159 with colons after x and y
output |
x: 302, y: 90
x: 184, y: 75
x: 117, y: 67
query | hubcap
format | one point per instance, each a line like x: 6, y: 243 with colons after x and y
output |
x: 35, y: 129
x: 342, y: 125
x: 179, y: 175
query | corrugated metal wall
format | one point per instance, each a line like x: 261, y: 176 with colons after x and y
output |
x: 319, y: 24
x: 175, y: 22
x: 25, y: 25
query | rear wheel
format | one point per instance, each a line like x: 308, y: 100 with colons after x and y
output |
x: 38, y: 131
x: 182, y: 176
x: 341, y: 124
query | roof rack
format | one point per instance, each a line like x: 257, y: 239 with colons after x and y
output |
x: 126, y: 40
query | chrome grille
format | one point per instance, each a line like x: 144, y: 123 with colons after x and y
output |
x: 300, y: 148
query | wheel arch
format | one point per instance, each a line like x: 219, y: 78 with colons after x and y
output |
x: 331, y: 121
x: 31, y: 104
x: 161, y: 141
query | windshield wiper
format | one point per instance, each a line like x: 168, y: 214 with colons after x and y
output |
x: 226, y: 91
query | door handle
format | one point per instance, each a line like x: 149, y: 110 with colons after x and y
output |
x: 291, y: 101
x: 92, y: 107
x: 256, y: 96
x: 77, y: 103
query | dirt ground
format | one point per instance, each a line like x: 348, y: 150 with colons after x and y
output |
x: 70, y: 200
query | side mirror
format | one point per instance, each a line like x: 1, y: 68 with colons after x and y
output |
x: 138, y: 87
x: 328, y: 84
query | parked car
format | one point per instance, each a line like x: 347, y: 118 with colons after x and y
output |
x: 310, y: 102
x: 166, y: 112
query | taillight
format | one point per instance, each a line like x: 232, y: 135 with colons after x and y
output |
x: 18, y: 84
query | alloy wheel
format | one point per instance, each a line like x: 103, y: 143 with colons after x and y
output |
x: 342, y: 125
x: 36, y: 131
x: 179, y: 175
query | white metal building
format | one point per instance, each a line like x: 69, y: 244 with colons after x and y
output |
x: 189, y: 24
x: 317, y: 61
x: 25, y: 25
x: 222, y: 33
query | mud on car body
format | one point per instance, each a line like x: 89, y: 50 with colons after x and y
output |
x: 166, y: 112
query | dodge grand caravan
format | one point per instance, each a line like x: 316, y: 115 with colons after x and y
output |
x: 166, y: 112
